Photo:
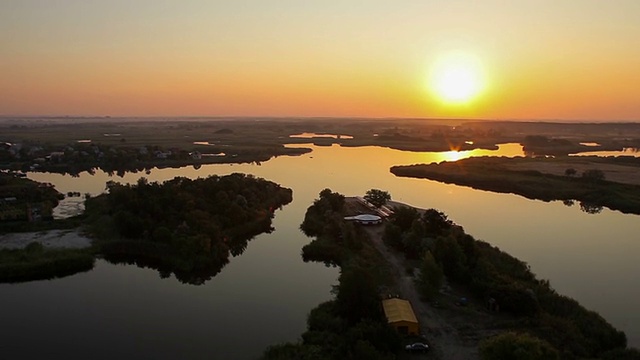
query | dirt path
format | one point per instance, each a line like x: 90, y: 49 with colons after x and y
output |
x: 71, y: 239
x: 446, y: 341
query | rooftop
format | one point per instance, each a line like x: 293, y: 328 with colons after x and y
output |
x: 398, y: 310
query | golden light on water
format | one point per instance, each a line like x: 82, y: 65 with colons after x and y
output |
x: 457, y: 78
x: 507, y: 150
x: 454, y: 155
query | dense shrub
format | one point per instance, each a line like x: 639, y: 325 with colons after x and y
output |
x: 36, y: 263
x: 512, y: 346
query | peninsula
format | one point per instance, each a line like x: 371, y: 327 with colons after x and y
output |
x: 471, y: 299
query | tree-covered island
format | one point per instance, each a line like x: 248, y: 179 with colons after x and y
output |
x: 184, y: 227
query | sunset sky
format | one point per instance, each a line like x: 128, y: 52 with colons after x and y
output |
x: 537, y: 59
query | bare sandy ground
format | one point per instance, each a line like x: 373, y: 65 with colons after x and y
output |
x: 71, y: 239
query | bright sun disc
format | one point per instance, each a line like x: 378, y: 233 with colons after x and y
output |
x: 456, y: 78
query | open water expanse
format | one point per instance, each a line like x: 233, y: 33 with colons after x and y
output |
x: 262, y: 297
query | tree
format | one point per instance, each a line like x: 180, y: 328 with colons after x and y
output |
x: 436, y: 223
x: 593, y: 174
x: 512, y: 346
x: 448, y: 252
x: 621, y: 354
x: 403, y: 217
x: 393, y: 237
x: 590, y: 208
x: 357, y: 296
x: 377, y: 197
x: 430, y: 279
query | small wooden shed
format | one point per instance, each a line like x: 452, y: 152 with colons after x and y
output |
x: 400, y: 315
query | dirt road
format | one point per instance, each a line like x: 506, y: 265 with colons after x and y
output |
x: 445, y: 339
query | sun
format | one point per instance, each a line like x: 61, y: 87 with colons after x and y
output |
x: 456, y: 78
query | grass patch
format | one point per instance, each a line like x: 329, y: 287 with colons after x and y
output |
x: 36, y: 263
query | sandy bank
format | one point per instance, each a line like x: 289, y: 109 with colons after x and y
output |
x: 71, y: 239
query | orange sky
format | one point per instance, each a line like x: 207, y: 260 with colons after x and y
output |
x: 568, y: 59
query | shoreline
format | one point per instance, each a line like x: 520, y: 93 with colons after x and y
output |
x: 50, y: 239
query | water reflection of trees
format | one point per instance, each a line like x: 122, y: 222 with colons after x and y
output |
x: 193, y: 271
x: 587, y: 207
x: 590, y: 208
x: 184, y: 227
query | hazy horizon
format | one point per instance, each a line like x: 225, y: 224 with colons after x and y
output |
x: 311, y: 118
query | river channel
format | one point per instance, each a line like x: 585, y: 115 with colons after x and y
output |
x: 262, y: 297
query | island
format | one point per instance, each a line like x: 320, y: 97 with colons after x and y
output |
x: 184, y: 227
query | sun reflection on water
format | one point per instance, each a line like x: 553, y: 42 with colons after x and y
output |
x: 506, y: 150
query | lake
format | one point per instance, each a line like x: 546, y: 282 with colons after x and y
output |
x: 262, y: 297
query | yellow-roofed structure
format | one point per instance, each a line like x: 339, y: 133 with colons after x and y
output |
x: 400, y: 315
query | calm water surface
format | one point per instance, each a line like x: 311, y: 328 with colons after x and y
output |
x: 262, y: 297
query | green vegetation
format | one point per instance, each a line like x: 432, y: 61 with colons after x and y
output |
x: 377, y: 197
x: 351, y: 326
x: 185, y: 227
x: 116, y: 145
x: 24, y: 201
x: 621, y: 354
x: 431, y: 276
x: 73, y: 145
x: 26, y: 205
x: 497, y: 174
x: 512, y: 346
x: 36, y: 263
x: 504, y: 283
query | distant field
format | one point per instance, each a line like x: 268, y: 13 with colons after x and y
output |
x: 626, y: 172
x: 403, y: 134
